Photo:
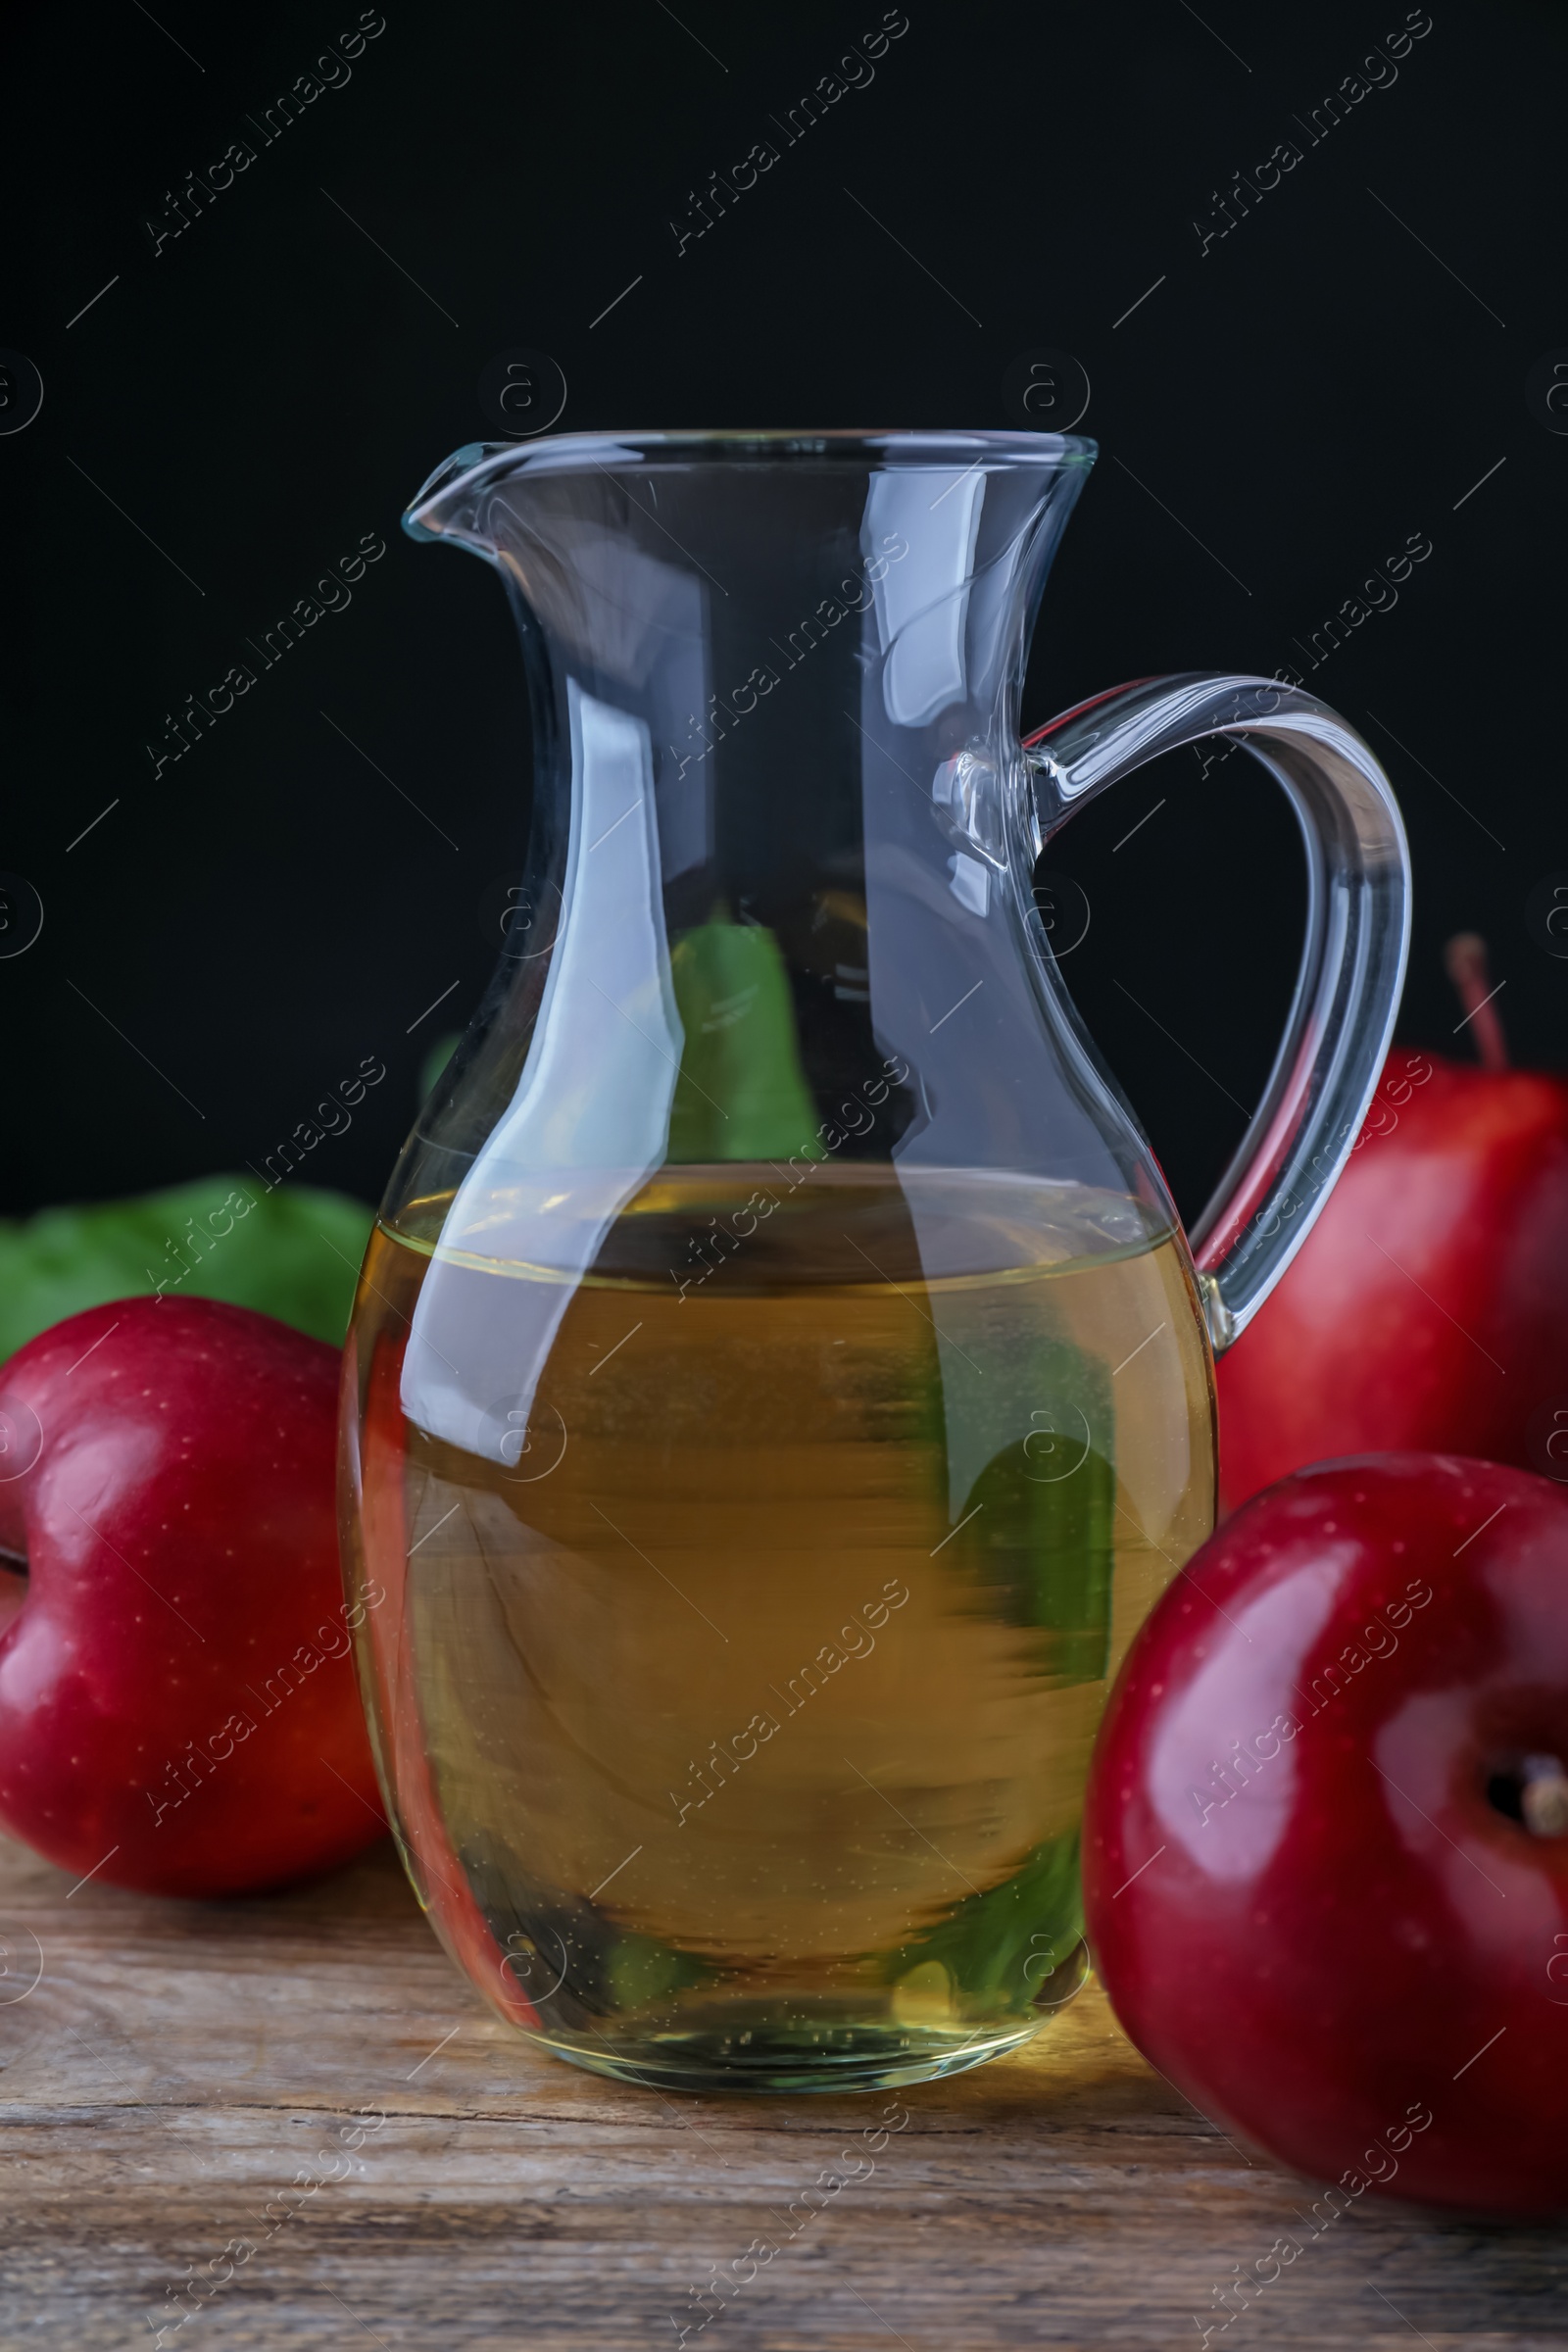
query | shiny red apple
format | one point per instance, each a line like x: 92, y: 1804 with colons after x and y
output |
x: 1325, y: 1860
x: 1427, y: 1307
x: 178, y: 1702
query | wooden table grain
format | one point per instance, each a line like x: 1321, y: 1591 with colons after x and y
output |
x: 290, y: 2122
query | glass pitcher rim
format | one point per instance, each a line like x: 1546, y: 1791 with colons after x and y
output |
x: 479, y: 463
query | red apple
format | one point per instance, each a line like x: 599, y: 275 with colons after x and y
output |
x: 178, y: 1702
x: 1427, y: 1307
x: 1326, y: 1874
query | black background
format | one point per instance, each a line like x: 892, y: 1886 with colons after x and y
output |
x: 1277, y: 416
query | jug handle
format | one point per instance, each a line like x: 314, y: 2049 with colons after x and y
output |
x: 1352, y: 961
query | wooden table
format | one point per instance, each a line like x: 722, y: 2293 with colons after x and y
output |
x: 185, y: 2074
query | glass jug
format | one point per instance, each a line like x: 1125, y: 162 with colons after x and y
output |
x: 779, y: 1383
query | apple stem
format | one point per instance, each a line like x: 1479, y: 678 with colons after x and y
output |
x: 1465, y: 958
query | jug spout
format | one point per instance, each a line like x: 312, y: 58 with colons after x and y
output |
x: 441, y: 508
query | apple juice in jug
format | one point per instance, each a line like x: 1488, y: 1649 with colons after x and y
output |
x: 757, y: 1654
